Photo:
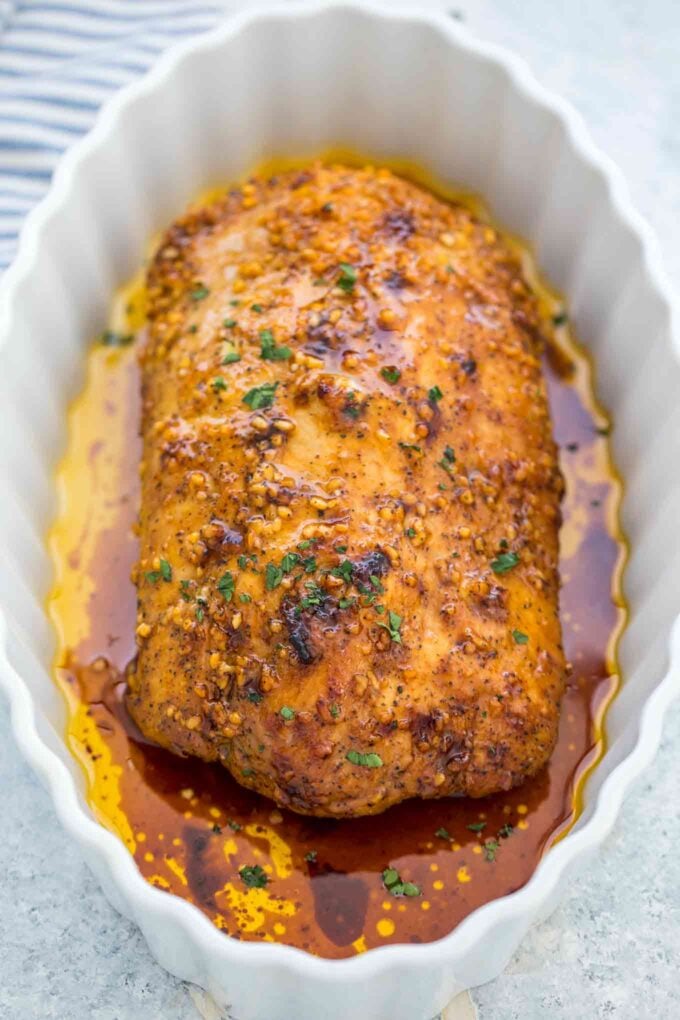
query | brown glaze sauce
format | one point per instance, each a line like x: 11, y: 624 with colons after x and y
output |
x: 191, y: 827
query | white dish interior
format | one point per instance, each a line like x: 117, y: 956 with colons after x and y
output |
x: 297, y: 81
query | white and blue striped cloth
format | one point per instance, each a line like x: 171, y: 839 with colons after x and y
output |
x: 59, y: 61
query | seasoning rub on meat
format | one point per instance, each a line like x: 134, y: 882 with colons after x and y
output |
x: 348, y: 589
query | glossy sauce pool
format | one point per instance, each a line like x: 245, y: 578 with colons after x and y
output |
x: 191, y: 828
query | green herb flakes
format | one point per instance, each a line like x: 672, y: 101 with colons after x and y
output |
x: 504, y: 562
x: 253, y: 875
x: 273, y: 576
x: 435, y: 394
x: 368, y: 760
x: 390, y: 374
x: 198, y: 293
x: 287, y: 713
x: 261, y: 397
x: 491, y: 847
x: 344, y: 571
x: 219, y: 384
x: 393, y: 626
x: 269, y: 350
x: 396, y: 887
x: 225, y: 586
x: 348, y: 277
x: 520, y: 638
x: 110, y: 338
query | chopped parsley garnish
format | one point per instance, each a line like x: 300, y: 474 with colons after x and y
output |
x: 505, y: 830
x: 410, y: 532
x: 347, y: 603
x: 443, y: 833
x: 520, y: 637
x: 218, y: 384
x: 340, y: 548
x: 344, y: 571
x: 253, y: 875
x: 289, y: 561
x: 235, y: 302
x: 327, y: 207
x: 560, y: 319
x: 261, y: 396
x: 236, y: 826
x: 200, y: 614
x: 245, y: 597
x: 310, y: 856
x: 410, y: 446
x: 348, y: 277
x: 225, y: 586
x: 377, y: 584
x: 448, y: 459
x: 504, y: 562
x: 491, y: 846
x: 391, y: 375
x: 255, y: 697
x: 257, y: 308
x: 216, y: 829
x: 370, y: 760
x: 269, y: 350
x: 184, y: 590
x: 287, y: 713
x: 231, y: 357
x: 315, y: 596
x: 110, y: 338
x: 164, y: 572
x: 396, y: 887
x: 334, y: 710
x: 229, y: 323
x: 393, y: 627
x: 476, y: 826
x: 198, y: 293
x: 435, y: 394
x: 244, y: 559
x: 273, y: 576
x: 350, y: 407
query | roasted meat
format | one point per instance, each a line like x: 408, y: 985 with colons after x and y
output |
x: 348, y: 587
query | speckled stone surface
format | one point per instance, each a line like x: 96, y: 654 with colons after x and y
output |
x: 611, y: 950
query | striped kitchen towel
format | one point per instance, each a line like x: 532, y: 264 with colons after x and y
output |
x: 59, y: 61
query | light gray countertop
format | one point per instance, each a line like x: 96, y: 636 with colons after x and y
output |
x: 611, y: 949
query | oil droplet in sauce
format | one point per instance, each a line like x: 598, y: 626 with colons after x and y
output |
x: 190, y: 826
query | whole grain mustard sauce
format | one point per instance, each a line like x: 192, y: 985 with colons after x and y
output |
x: 259, y: 873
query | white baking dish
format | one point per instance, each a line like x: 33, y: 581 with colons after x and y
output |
x: 294, y: 81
